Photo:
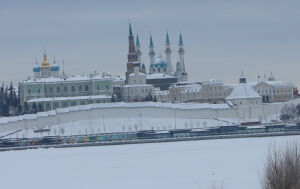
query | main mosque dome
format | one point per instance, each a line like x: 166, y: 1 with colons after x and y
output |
x: 159, y: 63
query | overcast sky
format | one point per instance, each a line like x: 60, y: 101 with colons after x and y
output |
x: 221, y: 37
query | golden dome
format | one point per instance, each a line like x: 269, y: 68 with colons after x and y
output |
x: 45, y: 63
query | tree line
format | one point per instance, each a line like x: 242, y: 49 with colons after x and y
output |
x: 10, y: 103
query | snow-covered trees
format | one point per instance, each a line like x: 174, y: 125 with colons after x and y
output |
x: 290, y: 112
x: 9, y: 101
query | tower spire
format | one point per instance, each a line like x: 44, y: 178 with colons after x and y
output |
x: 130, y: 30
x: 180, y: 39
x: 151, y: 41
x: 151, y: 50
x: 167, y: 39
x: 168, y: 54
x: 138, y: 49
x: 137, y: 40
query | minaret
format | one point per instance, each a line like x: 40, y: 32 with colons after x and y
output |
x: 138, y: 49
x: 151, y: 51
x: 168, y: 55
x: 182, y: 74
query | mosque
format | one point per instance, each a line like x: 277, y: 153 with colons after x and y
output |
x: 161, y: 72
x: 139, y: 85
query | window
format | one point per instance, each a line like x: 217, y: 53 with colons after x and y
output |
x: 86, y: 88
x: 29, y: 91
x: 79, y: 88
x: 66, y: 89
x: 98, y: 88
x: 39, y: 90
x: 58, y: 89
x: 106, y: 87
x: 73, y: 89
x: 51, y: 89
x: 165, y: 69
x: 158, y: 69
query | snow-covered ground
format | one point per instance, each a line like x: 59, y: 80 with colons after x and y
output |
x: 234, y: 163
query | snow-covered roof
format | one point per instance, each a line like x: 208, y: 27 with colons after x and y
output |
x: 142, y: 85
x: 273, y: 83
x: 212, y: 81
x: 67, y: 79
x: 136, y: 73
x: 243, y: 91
x: 69, y: 98
x: 159, y: 76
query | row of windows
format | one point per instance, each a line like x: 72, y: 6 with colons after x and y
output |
x: 158, y: 70
x: 65, y: 89
x: 274, y: 91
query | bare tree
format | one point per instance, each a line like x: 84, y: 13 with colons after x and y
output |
x: 282, y: 169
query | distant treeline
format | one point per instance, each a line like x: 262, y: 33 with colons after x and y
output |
x: 10, y: 104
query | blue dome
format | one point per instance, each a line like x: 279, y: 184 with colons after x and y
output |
x: 55, y: 68
x: 36, y: 68
x: 159, y: 63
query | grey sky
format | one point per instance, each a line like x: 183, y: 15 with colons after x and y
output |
x: 221, y: 37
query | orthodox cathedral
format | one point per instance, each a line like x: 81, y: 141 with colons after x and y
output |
x: 46, y: 70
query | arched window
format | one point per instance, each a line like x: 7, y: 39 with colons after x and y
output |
x: 86, y: 88
x: 58, y: 89
x: 73, y: 89
x: 39, y: 90
x: 98, y: 88
x: 106, y: 87
x: 29, y: 91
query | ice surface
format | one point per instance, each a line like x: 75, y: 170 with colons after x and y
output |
x: 234, y: 163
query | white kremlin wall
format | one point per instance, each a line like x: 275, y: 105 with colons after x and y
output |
x: 264, y: 113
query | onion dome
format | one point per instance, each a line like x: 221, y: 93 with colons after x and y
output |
x: 36, y: 68
x: 55, y: 66
x: 45, y: 63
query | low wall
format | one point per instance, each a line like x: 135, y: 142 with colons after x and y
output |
x: 133, y: 110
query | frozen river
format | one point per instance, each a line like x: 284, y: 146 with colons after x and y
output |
x: 234, y: 163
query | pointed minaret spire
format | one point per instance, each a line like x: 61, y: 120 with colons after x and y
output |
x: 181, y: 73
x: 151, y: 51
x: 151, y: 41
x: 180, y: 39
x: 168, y: 55
x: 138, y: 49
x: 54, y: 61
x: 137, y: 40
x: 167, y: 39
